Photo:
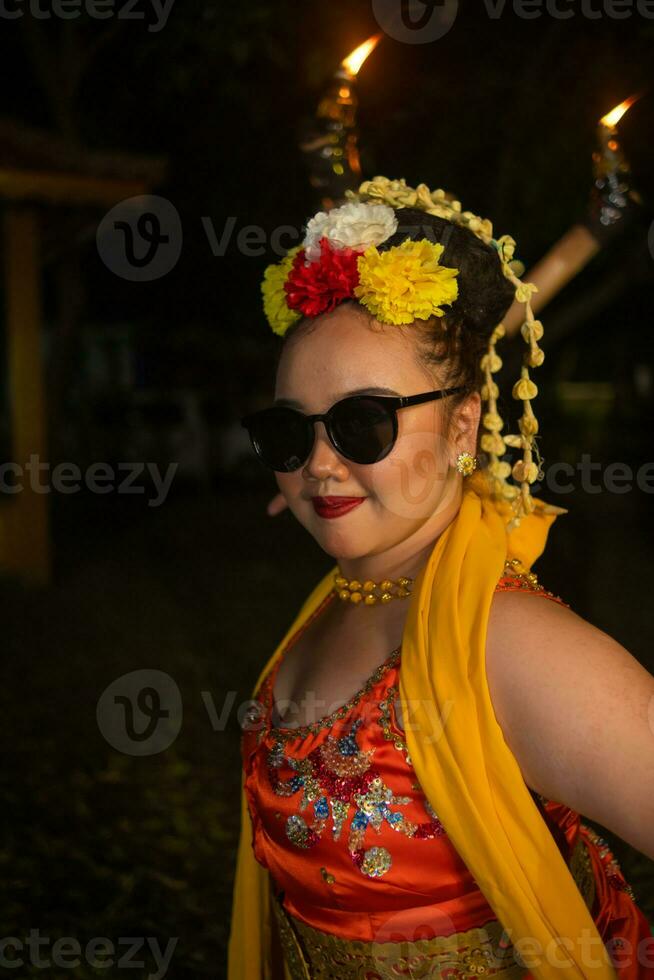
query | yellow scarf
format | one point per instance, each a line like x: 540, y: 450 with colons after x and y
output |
x: 466, y: 769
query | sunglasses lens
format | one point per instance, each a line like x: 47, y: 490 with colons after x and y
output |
x: 364, y: 429
x: 281, y: 438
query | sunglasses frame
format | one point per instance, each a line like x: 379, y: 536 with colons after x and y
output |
x: 393, y: 403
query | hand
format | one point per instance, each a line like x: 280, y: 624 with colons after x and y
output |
x: 276, y: 505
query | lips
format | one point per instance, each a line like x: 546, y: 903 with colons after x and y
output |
x: 335, y: 506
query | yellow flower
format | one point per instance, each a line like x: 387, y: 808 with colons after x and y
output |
x: 536, y: 356
x: 516, y: 441
x: 525, y: 291
x: 489, y: 391
x: 406, y: 283
x: 492, y: 442
x: 492, y: 421
x: 506, y: 248
x: 491, y: 361
x: 500, y: 470
x: 278, y: 313
x: 535, y: 328
x: 525, y: 472
x: 525, y: 389
x: 528, y: 425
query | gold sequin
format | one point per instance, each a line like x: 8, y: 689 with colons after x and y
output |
x: 581, y: 869
x: 335, y: 777
x: 514, y: 568
x: 315, y: 955
x: 287, y: 734
x: 328, y: 877
x: 376, y: 862
x: 385, y: 722
x: 612, y: 869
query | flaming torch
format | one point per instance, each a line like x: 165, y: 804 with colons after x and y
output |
x: 612, y: 199
x: 331, y: 142
x: 612, y: 192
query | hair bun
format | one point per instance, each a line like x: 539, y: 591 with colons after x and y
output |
x: 485, y: 294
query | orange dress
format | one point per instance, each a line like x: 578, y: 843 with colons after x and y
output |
x: 356, y: 851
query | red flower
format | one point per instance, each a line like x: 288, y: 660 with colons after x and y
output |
x: 322, y: 285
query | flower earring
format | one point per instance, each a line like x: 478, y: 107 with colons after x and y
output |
x: 465, y: 463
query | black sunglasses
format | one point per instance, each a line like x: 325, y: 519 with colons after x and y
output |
x: 363, y: 428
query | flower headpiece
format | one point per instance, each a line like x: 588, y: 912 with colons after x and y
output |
x: 339, y: 259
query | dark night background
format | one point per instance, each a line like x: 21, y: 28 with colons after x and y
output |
x: 502, y: 112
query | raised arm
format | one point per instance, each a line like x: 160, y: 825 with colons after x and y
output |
x: 577, y: 711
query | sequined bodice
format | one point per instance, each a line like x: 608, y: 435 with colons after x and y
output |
x: 337, y: 804
x: 354, y: 848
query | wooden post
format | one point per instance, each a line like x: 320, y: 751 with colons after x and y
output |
x: 561, y: 264
x: 24, y: 515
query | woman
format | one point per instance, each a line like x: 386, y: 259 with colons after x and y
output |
x: 418, y: 813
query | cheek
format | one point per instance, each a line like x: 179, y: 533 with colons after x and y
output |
x: 291, y: 487
x: 290, y: 484
x: 412, y: 480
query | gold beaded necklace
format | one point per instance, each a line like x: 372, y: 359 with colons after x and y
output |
x: 369, y: 592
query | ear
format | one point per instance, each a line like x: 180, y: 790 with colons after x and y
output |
x: 464, y: 426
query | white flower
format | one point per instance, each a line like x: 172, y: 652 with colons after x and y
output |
x: 351, y: 226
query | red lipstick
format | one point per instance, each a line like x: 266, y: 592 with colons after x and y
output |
x: 335, y: 506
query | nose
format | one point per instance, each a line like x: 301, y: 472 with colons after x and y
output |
x: 324, y: 460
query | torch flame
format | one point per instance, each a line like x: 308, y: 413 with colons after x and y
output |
x: 356, y: 58
x: 612, y: 118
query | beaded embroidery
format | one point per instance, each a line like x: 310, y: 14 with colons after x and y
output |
x: 286, y: 734
x: 514, y: 576
x: 339, y: 774
x: 480, y: 951
x: 385, y: 723
x: 612, y: 870
x: 518, y: 577
x: 334, y: 777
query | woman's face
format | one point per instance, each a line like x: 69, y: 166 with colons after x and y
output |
x: 415, y: 484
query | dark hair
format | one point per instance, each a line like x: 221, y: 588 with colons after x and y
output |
x: 460, y: 338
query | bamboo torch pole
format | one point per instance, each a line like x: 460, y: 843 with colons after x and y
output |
x: 612, y: 201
